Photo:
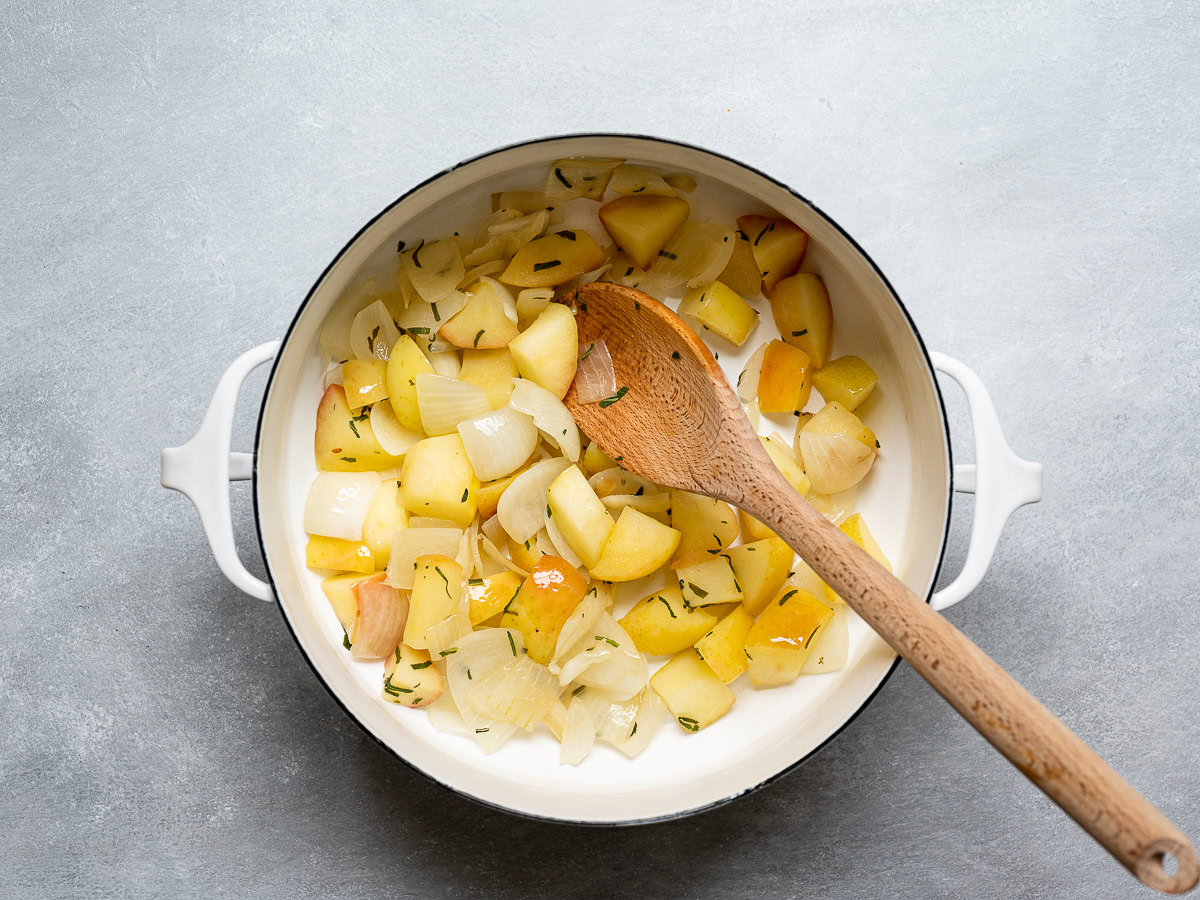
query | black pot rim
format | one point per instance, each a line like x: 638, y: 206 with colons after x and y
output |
x: 304, y: 304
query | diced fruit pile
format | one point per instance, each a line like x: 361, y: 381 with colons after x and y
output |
x: 473, y: 541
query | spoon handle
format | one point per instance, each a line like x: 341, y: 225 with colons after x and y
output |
x: 1047, y: 752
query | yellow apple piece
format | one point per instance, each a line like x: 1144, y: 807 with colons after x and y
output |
x: 693, y: 693
x: 642, y: 225
x: 530, y: 303
x: 855, y: 528
x: 437, y: 589
x: 629, y: 179
x: 488, y: 495
x: 778, y: 246
x: 637, y: 546
x: 595, y: 460
x: 492, y: 370
x: 339, y: 589
x: 761, y: 568
x: 554, y: 259
x: 547, y: 352
x: 783, y: 457
x: 742, y: 273
x: 706, y: 526
x: 720, y: 310
x: 364, y: 381
x: 404, y: 365
x: 708, y: 581
x: 437, y: 480
x: 681, y: 182
x: 662, y: 623
x: 783, y: 636
x: 483, y: 324
x: 847, y: 379
x: 411, y: 679
x: 384, y: 518
x: 804, y: 316
x: 723, y: 648
x: 488, y: 596
x: 527, y: 553
x: 544, y: 602
x: 784, y: 384
x: 831, y: 646
x: 344, y: 441
x: 579, y: 515
x: 333, y: 553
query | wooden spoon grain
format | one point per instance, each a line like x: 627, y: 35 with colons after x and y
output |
x: 681, y: 425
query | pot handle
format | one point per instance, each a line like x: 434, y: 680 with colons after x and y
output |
x: 203, y: 467
x: 1001, y: 481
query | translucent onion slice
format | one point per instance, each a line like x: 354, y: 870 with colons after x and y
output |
x: 444, y: 402
x: 619, y: 481
x: 335, y: 332
x: 478, y: 655
x: 696, y: 255
x: 493, y: 553
x: 646, y: 721
x: 522, y: 506
x: 338, y: 503
x: 646, y: 503
x: 550, y: 415
x: 493, y: 530
x: 595, y: 378
x: 747, y: 383
x: 445, y: 634
x: 578, y: 734
x: 422, y: 321
x: 521, y: 693
x: 373, y: 333
x: 623, y: 671
x: 586, y: 278
x: 624, y: 272
x: 445, y: 362
x: 579, y: 625
x: 583, y: 177
x: 444, y: 715
x: 835, y: 507
x: 464, y: 557
x: 476, y: 558
x: 629, y: 179
x: 752, y: 413
x: 393, y: 437
x: 487, y: 270
x: 434, y: 269
x: 530, y: 303
x: 832, y: 647
x: 561, y: 547
x: 556, y: 718
x: 582, y: 215
x: 834, y: 462
x: 505, y: 213
x: 409, y: 543
x: 379, y: 619
x: 613, y: 719
x: 498, y: 442
x: 333, y: 372
x: 507, y: 237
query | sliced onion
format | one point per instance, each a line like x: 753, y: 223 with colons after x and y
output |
x: 508, y: 236
x: 444, y: 715
x: 464, y: 558
x: 629, y: 179
x: 646, y: 503
x: 747, y: 383
x: 493, y: 553
x: 488, y: 269
x: 430, y: 522
x: 578, y: 734
x: 446, y: 633
x: 522, y: 506
x: 613, y: 718
x: 338, y: 503
x: 379, y: 620
x: 580, y: 624
x: 409, y: 543
x: 333, y: 372
x: 620, y: 481
x: 834, y: 462
x: 478, y: 655
x: 498, y: 442
x: 550, y: 415
x: 696, y: 250
x: 335, y: 332
x: 394, y: 438
x: 444, y: 402
x: 373, y: 333
x: 521, y: 693
x: 624, y: 272
x: 561, y: 547
x: 646, y: 721
x: 623, y: 670
x: 832, y: 646
x: 530, y: 304
x: 506, y: 213
x: 445, y: 362
x: 422, y: 321
x: 434, y: 269
x: 595, y: 378
x: 835, y: 507
x: 494, y: 531
x: 476, y: 559
x: 581, y: 177
x: 752, y: 413
x: 586, y: 278
x: 584, y: 215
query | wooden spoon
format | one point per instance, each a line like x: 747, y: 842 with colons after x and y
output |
x: 681, y: 425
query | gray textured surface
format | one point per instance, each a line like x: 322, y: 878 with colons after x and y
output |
x: 173, y: 178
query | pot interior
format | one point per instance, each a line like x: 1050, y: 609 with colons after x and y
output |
x: 905, y: 501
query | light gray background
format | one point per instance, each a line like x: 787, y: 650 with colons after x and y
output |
x: 173, y: 177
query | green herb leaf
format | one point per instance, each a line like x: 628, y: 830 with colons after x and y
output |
x: 346, y: 640
x: 784, y: 599
x: 416, y: 261
x: 444, y: 578
x: 668, y: 255
x: 675, y: 355
x: 601, y: 637
x: 609, y: 401
x: 466, y: 493
x: 437, y: 316
x: 802, y: 331
x: 512, y: 643
x: 478, y: 335
x: 481, y: 730
x: 770, y: 226
x: 474, y: 581
x: 397, y: 651
x: 354, y: 429
x: 350, y: 458
x: 418, y: 330
x: 698, y: 591
x: 449, y: 652
x: 549, y: 512
x: 668, y: 606
x: 590, y: 348
x: 689, y: 723
x: 569, y: 235
x: 808, y: 643
x: 561, y: 177
x: 423, y: 665
x: 549, y: 264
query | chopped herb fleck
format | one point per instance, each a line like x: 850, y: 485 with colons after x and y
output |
x: 675, y: 355
x: 717, y: 539
x: 668, y: 255
x: 639, y: 190
x: 808, y: 643
x: 784, y: 599
x: 601, y: 637
x: 469, y: 675
x: 569, y: 235
x: 549, y: 264
x: 350, y: 458
x: 354, y: 428
x: 480, y: 730
x: 698, y: 591
x: 346, y: 640
x: 609, y: 401
x: 689, y: 723
x: 510, y: 600
x: 423, y: 665
x: 512, y: 643
x: 466, y: 493
x: 394, y: 690
x: 877, y: 443
x: 637, y: 306
x: 416, y: 261
x: 629, y: 271
x: 437, y: 316
x: 446, y: 652
x: 474, y: 581
x: 478, y: 335
x: 549, y: 512
x: 561, y: 177
x: 632, y: 733
x: 444, y: 578
x: 400, y: 247
x: 747, y: 652
x: 668, y: 606
x: 397, y: 650
x: 588, y: 353
x: 418, y: 331
x: 770, y: 226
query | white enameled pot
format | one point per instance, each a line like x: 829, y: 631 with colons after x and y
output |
x: 906, y: 500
